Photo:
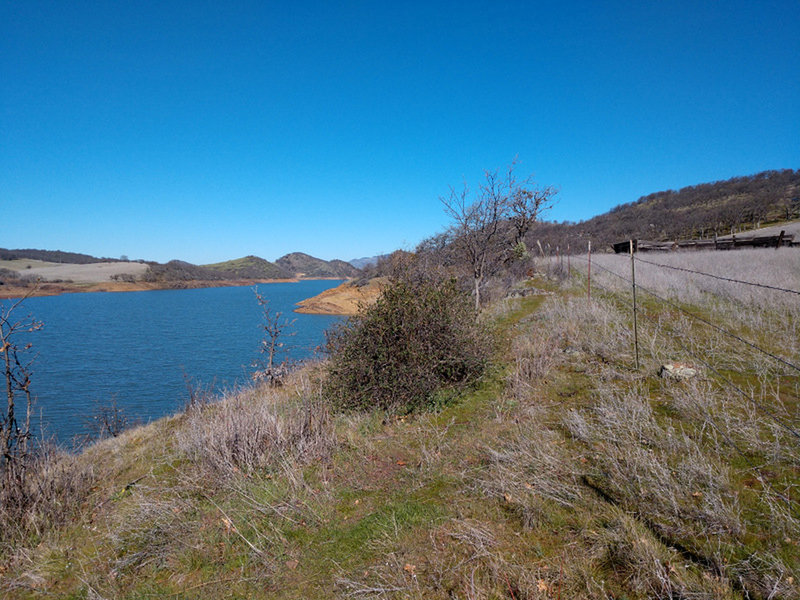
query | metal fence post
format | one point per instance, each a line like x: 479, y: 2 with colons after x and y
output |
x: 589, y: 274
x: 635, y: 324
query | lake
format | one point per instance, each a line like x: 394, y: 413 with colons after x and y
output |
x: 138, y: 348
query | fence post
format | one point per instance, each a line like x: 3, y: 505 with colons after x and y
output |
x: 635, y: 324
x: 569, y: 266
x: 589, y: 274
x: 560, y: 261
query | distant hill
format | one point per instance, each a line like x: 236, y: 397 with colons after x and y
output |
x: 178, y: 270
x: 304, y: 265
x: 250, y: 267
x: 55, y: 256
x: 360, y: 263
x: 699, y: 211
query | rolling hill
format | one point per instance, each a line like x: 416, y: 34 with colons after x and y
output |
x: 250, y: 267
x: 304, y: 265
x: 698, y: 211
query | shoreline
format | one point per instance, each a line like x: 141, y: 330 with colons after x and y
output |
x: 345, y: 299
x: 45, y: 288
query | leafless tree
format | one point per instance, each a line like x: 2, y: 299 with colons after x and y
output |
x: 526, y: 204
x: 480, y: 229
x: 271, y: 368
x: 15, y: 432
x: 108, y: 419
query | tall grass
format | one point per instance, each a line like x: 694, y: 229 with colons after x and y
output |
x: 695, y: 468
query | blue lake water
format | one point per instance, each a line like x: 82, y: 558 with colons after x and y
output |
x: 138, y: 348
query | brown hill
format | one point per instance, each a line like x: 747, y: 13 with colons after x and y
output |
x: 699, y: 211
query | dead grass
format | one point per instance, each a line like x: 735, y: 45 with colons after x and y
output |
x: 88, y: 273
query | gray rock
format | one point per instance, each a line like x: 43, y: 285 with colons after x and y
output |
x: 677, y: 371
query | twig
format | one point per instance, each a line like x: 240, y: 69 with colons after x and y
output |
x: 233, y: 526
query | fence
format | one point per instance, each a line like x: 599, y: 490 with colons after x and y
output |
x: 657, y: 307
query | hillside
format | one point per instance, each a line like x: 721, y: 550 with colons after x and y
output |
x: 704, y: 210
x: 304, y: 265
x: 53, y: 256
x: 178, y: 270
x: 565, y: 472
x: 366, y: 261
x: 250, y: 267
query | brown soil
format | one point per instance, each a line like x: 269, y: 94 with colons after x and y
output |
x: 345, y: 299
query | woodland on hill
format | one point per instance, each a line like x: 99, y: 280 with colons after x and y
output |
x: 55, y: 256
x: 698, y: 211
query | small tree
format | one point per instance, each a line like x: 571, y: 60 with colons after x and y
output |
x: 107, y: 420
x: 271, y: 368
x: 476, y: 227
x: 525, y: 205
x: 480, y: 229
x: 15, y: 421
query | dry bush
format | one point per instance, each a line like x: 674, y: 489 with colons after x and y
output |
x: 534, y: 353
x: 152, y: 531
x: 725, y: 418
x: 683, y: 488
x: 658, y: 470
x: 596, y: 327
x: 464, y: 561
x: 650, y: 568
x: 54, y: 488
x: 531, y: 471
x: 258, y: 429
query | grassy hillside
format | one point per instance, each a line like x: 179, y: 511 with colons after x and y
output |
x: 250, y: 267
x: 304, y: 265
x: 565, y: 473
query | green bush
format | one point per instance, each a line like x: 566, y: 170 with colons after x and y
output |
x: 420, y: 337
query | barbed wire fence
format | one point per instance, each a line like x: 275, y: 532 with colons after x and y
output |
x: 663, y: 306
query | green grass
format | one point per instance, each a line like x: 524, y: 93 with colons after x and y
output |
x: 250, y: 267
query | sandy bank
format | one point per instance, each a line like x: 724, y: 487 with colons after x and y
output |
x: 344, y: 299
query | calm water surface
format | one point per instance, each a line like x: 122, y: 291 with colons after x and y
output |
x: 138, y: 347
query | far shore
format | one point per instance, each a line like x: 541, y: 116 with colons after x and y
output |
x: 45, y: 288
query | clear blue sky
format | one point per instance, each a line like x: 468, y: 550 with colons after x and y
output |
x: 211, y: 130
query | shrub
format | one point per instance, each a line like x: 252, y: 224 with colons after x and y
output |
x: 419, y: 337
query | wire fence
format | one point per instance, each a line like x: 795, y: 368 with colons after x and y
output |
x: 718, y: 277
x: 667, y: 307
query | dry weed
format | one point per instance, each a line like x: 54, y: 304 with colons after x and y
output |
x: 258, y: 429
x: 54, y: 489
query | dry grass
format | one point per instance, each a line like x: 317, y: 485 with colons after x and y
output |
x: 258, y: 429
x: 55, y: 486
x: 89, y: 273
x: 565, y: 473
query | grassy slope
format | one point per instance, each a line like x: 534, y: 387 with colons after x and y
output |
x: 498, y: 495
x: 251, y: 267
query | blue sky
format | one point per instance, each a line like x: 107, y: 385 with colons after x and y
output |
x: 207, y: 130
